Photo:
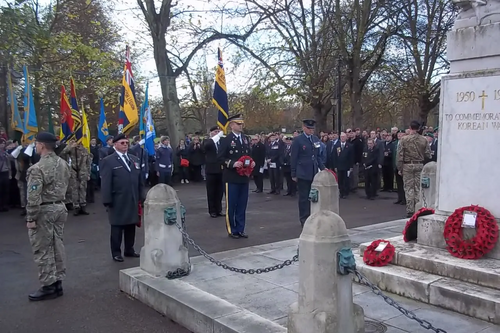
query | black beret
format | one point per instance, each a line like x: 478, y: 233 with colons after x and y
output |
x: 309, y: 123
x: 214, y: 128
x: 119, y: 137
x: 46, y: 137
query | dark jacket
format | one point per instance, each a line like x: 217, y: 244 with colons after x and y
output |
x: 121, y: 189
x: 196, y: 155
x: 344, y: 158
x: 164, y: 160
x: 230, y: 151
x: 212, y: 164
x: 304, y: 159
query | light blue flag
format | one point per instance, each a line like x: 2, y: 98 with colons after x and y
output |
x: 30, y: 122
x: 102, y: 127
x: 148, y: 126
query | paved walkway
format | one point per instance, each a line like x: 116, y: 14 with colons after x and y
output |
x: 92, y: 301
x: 269, y: 295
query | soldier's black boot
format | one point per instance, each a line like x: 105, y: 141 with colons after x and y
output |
x: 23, y: 213
x: 76, y: 211
x: 83, y: 211
x: 69, y: 206
x: 44, y: 293
x: 59, y: 288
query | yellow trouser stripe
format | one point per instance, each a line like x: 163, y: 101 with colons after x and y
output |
x: 228, y: 221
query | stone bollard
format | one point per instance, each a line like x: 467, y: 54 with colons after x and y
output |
x: 164, y: 250
x: 325, y: 302
x: 327, y: 193
x: 428, y: 176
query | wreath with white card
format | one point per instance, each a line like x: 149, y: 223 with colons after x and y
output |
x: 379, y: 253
x: 470, y: 217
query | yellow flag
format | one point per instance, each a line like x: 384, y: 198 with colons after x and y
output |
x: 85, y: 131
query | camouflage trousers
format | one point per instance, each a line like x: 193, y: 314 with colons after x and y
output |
x: 411, y: 184
x: 78, y: 190
x: 47, y: 244
x: 22, y: 192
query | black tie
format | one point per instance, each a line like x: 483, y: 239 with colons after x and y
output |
x: 217, y: 146
x: 128, y: 161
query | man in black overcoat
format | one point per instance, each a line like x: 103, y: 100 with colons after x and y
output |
x: 213, y: 172
x: 122, y: 189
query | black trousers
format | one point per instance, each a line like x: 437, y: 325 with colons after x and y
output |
x: 371, y: 181
x: 15, y: 196
x: 4, y: 190
x: 196, y: 173
x: 291, y: 186
x: 304, y: 187
x: 90, y: 190
x: 258, y: 179
x: 215, y: 190
x: 400, y: 185
x: 388, y: 177
x: 118, y: 232
x: 275, y: 179
x: 344, y: 186
x: 165, y: 178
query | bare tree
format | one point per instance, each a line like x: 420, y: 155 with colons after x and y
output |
x: 422, y: 34
x: 170, y: 65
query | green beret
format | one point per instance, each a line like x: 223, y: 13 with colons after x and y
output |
x: 429, y: 134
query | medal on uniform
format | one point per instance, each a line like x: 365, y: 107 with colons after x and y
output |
x: 245, y: 141
x: 233, y: 144
x: 365, y: 154
x: 136, y: 165
x: 316, y: 144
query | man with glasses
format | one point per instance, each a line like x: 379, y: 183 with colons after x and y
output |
x: 122, y: 189
x: 46, y: 214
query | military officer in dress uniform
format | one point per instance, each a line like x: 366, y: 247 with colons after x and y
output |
x: 304, y: 165
x: 232, y: 148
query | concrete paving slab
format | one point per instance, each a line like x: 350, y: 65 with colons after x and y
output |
x: 271, y: 304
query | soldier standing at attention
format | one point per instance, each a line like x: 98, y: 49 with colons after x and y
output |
x: 232, y: 148
x: 413, y: 149
x: 80, y: 162
x: 47, y: 182
x: 304, y: 165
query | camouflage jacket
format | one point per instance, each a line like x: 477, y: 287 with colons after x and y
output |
x: 412, y: 148
x: 47, y: 181
x: 78, y: 158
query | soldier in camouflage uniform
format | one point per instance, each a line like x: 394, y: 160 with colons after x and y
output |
x: 413, y: 150
x: 46, y: 214
x: 80, y: 162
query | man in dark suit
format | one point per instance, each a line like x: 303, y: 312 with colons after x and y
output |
x: 291, y: 186
x: 434, y: 146
x: 213, y: 172
x: 234, y: 146
x: 370, y: 163
x: 331, y: 150
x: 387, y: 168
x: 344, y: 162
x: 122, y: 189
x: 259, y: 157
x: 274, y: 157
x: 304, y: 165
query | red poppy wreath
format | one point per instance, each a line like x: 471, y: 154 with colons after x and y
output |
x: 476, y: 247
x: 246, y: 168
x: 379, y: 256
x: 410, y: 230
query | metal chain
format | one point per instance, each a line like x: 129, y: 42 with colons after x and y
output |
x: 285, y: 263
x: 376, y: 290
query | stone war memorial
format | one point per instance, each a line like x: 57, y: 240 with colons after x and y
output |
x: 454, y: 262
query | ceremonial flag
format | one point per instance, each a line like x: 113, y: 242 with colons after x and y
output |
x: 85, y: 131
x: 220, y: 94
x: 16, y: 122
x: 30, y: 121
x: 67, y: 122
x: 102, y: 127
x: 75, y: 113
x: 128, y: 116
x: 148, y: 126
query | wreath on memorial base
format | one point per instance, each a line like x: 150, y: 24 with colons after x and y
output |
x: 376, y: 258
x: 334, y: 175
x: 245, y: 170
x: 476, y: 247
x: 410, y: 230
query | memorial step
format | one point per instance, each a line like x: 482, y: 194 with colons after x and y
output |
x: 452, y: 294
x: 483, y: 272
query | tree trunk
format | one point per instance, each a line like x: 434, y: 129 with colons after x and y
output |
x: 320, y: 115
x: 356, y: 107
x: 169, y: 91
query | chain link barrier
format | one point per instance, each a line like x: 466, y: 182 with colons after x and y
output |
x: 219, y: 263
